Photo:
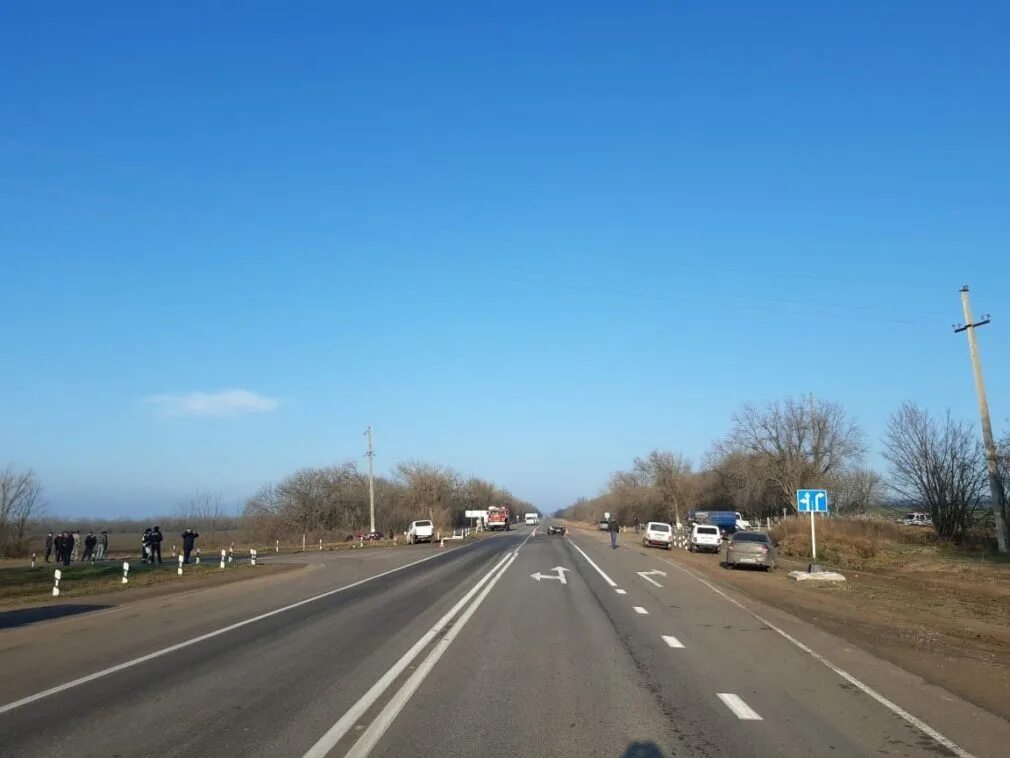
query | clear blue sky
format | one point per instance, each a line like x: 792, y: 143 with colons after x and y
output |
x: 530, y: 242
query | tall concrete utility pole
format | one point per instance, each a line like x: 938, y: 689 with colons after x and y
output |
x: 995, y: 485
x: 371, y: 481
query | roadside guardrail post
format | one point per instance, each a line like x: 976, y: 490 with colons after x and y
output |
x: 252, y: 556
x: 198, y: 556
x: 180, y: 565
x: 303, y: 543
x: 126, y: 572
x: 57, y: 575
x: 277, y: 546
x: 173, y: 550
x: 224, y: 555
x: 320, y: 543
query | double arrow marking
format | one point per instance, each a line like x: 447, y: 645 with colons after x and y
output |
x: 645, y: 575
x: 560, y: 577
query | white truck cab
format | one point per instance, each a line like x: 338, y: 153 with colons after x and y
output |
x: 420, y: 531
x: 532, y: 519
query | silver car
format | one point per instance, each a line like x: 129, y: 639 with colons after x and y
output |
x: 751, y: 549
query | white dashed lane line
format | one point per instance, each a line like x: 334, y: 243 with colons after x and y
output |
x: 740, y: 709
x: 672, y: 641
x: 619, y: 591
x: 641, y: 610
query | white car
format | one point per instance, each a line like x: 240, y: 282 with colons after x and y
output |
x: 704, y: 537
x: 420, y: 531
x: 659, y: 534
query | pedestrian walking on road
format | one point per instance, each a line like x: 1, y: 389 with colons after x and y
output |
x: 75, y: 545
x: 188, y: 540
x: 49, y: 547
x: 89, y: 546
x: 103, y: 545
x: 613, y: 528
x: 156, y: 538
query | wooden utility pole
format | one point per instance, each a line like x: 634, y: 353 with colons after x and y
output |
x: 997, y: 496
x: 371, y: 481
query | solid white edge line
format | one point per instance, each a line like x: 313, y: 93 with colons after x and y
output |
x: 385, y: 719
x: 918, y: 723
x: 599, y: 571
x: 201, y: 638
x: 337, y: 732
x: 672, y: 641
x: 740, y: 709
x: 640, y: 610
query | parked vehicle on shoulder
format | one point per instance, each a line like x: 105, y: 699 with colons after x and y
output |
x: 705, y: 538
x: 532, y: 519
x: 916, y: 519
x: 750, y: 549
x: 420, y: 531
x: 603, y: 525
x: 659, y: 534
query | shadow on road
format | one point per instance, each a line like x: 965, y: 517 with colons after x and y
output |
x: 26, y: 616
x: 643, y: 750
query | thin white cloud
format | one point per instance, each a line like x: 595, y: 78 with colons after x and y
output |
x: 222, y: 404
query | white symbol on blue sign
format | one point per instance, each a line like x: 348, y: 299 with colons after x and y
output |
x: 812, y: 501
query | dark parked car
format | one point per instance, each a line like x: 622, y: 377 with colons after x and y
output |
x: 555, y: 528
x: 751, y: 549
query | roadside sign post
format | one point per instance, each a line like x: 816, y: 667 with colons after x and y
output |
x: 812, y: 501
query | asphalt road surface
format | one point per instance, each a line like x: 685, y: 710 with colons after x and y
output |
x: 521, y: 644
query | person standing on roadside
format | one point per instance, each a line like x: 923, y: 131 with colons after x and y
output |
x: 156, y: 539
x: 145, y: 546
x: 188, y: 540
x: 68, y: 548
x: 637, y: 524
x: 49, y: 547
x: 103, y: 545
x: 89, y: 546
x: 613, y: 528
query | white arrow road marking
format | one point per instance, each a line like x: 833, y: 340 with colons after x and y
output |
x: 560, y: 577
x: 672, y: 641
x: 740, y: 709
x: 646, y: 574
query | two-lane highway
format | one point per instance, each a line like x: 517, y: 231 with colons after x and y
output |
x: 519, y: 644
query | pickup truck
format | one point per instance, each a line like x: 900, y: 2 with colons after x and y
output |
x: 420, y: 531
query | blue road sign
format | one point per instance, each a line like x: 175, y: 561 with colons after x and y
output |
x: 812, y: 500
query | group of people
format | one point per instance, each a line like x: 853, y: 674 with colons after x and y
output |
x: 151, y: 544
x: 68, y: 546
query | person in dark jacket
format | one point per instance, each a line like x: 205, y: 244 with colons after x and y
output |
x: 145, y: 543
x: 58, y: 546
x: 188, y: 540
x: 68, y: 547
x: 613, y: 528
x: 89, y: 546
x: 49, y: 547
x: 156, y: 538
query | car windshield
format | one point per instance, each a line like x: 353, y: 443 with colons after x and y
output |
x: 422, y: 523
x: 659, y: 527
x: 707, y: 530
x: 750, y: 537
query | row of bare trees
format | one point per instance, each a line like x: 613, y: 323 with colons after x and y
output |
x: 334, y: 500
x: 935, y: 464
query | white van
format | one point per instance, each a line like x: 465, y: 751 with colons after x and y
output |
x: 420, y: 531
x: 532, y: 519
x: 704, y: 537
x: 658, y: 533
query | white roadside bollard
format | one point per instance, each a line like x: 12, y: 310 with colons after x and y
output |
x: 277, y: 546
x: 126, y: 572
x: 224, y: 554
x: 198, y: 556
x: 441, y: 542
x: 57, y: 575
x: 320, y: 543
x: 231, y: 554
x: 33, y: 560
x: 173, y: 551
x: 252, y: 557
x: 361, y: 541
x: 180, y: 565
x: 303, y: 543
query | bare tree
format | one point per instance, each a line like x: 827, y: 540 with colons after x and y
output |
x: 670, y: 475
x: 856, y: 491
x: 20, y: 501
x: 939, y: 464
x: 204, y: 511
x: 798, y: 442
